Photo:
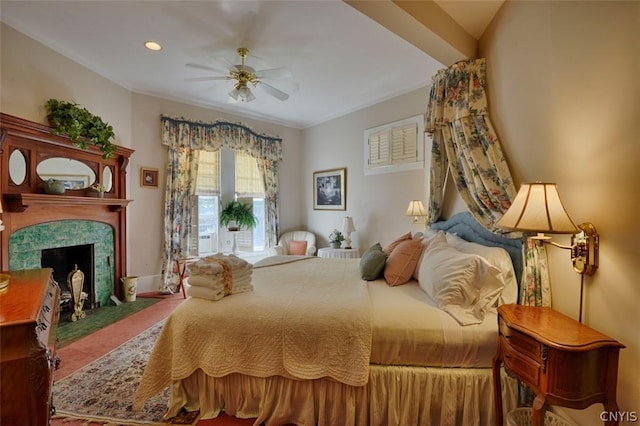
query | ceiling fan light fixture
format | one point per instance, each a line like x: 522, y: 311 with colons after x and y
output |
x: 241, y: 93
x: 245, y: 94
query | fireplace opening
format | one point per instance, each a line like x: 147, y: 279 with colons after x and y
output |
x: 63, y: 261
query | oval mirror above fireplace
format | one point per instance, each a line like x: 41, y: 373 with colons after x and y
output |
x: 17, y: 167
x: 107, y: 178
x: 75, y: 174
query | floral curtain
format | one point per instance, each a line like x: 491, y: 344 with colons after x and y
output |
x: 465, y: 143
x: 185, y: 138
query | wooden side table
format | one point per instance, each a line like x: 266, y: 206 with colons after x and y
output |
x: 181, y: 265
x: 339, y: 253
x: 564, y: 362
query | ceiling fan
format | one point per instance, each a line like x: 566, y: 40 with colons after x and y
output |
x: 244, y: 75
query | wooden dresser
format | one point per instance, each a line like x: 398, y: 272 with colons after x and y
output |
x: 29, y: 311
x: 564, y: 362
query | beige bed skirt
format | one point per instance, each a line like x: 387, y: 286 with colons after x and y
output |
x: 394, y: 395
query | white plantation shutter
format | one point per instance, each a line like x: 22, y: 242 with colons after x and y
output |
x: 395, y: 147
x: 379, y: 149
x: 244, y: 237
x: 404, y: 142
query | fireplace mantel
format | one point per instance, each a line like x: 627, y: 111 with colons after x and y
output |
x: 17, y: 203
x: 25, y: 202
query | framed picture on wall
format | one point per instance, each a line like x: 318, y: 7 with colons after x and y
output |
x: 330, y: 189
x: 148, y: 177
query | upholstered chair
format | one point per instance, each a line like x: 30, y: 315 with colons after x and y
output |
x: 295, y: 242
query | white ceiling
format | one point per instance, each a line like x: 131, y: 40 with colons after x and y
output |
x: 340, y: 59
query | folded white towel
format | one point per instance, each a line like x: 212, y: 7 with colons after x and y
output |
x: 215, y: 283
x: 212, y: 294
x: 205, y: 293
x: 217, y: 268
x: 235, y: 274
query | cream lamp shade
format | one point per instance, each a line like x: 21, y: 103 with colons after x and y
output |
x: 537, y: 208
x: 416, y: 209
x: 347, y: 229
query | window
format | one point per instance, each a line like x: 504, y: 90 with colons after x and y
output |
x: 394, y: 147
x: 205, y: 225
x: 249, y: 188
x: 245, y: 184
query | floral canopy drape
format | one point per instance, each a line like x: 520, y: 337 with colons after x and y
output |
x: 465, y: 144
x: 464, y: 141
x: 185, y: 138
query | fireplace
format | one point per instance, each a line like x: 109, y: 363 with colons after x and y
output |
x: 62, y: 244
x: 35, y: 221
x: 65, y: 260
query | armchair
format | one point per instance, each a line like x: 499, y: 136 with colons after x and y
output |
x: 299, y: 236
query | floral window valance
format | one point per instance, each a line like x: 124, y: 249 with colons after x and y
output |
x: 180, y: 132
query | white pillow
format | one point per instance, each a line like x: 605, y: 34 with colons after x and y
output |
x: 463, y: 285
x: 426, y: 238
x: 497, y: 257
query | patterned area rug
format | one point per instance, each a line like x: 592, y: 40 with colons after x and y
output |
x: 103, y: 391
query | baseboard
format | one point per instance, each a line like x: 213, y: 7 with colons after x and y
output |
x: 148, y: 283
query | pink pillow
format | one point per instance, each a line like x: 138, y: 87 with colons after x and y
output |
x: 397, y: 241
x: 298, y: 248
x: 402, y: 262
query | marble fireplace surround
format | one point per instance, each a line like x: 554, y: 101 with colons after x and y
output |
x: 26, y: 246
x: 34, y: 220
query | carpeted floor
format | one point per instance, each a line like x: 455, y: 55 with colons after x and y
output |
x: 82, y: 352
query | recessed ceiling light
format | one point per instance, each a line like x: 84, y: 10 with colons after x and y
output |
x: 152, y: 45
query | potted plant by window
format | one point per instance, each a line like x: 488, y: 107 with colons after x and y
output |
x: 237, y: 215
x: 80, y: 126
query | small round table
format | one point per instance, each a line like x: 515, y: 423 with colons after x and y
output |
x: 339, y: 253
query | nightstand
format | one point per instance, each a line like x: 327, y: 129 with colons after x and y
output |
x: 340, y: 253
x: 564, y: 362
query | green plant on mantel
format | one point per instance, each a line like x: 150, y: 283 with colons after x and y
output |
x: 240, y: 213
x: 80, y: 126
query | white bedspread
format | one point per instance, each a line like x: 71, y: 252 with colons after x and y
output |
x: 408, y: 329
x: 312, y: 321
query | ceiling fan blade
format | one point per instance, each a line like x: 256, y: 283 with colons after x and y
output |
x: 277, y: 93
x: 274, y: 73
x: 207, y: 68
x: 232, y: 66
x: 207, y: 78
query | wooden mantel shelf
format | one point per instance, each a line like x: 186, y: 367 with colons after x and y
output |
x: 17, y: 203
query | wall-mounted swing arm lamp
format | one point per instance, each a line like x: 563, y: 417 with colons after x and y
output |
x: 537, y: 208
x: 416, y: 209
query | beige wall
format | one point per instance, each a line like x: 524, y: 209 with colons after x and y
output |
x: 564, y: 98
x: 377, y: 203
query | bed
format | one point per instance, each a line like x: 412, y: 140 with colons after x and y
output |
x: 316, y: 344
